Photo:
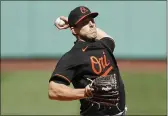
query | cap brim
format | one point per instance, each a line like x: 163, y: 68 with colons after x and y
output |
x: 93, y: 15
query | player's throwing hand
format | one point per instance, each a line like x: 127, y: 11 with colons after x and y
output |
x: 65, y: 26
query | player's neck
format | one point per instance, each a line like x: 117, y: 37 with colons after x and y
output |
x: 85, y: 39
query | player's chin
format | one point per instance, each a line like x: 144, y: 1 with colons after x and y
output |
x: 93, y: 36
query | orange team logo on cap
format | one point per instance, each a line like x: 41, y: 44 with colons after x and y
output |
x: 83, y: 10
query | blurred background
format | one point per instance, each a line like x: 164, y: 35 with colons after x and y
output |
x: 31, y: 46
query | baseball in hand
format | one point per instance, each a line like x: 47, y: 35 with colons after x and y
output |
x: 59, y: 22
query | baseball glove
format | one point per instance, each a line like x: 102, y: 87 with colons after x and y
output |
x: 103, y: 90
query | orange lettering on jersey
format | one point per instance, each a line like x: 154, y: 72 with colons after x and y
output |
x: 94, y: 62
x: 98, y: 64
x: 105, y: 60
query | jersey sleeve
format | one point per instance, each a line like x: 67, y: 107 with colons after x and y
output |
x: 64, y: 71
x: 109, y: 42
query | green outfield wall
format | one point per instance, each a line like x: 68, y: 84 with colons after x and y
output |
x: 27, y: 29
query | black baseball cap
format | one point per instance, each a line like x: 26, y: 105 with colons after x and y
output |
x: 78, y: 14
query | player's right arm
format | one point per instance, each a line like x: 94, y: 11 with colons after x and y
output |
x: 63, y: 92
x: 58, y: 88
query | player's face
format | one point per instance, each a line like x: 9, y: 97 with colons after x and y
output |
x: 87, y: 29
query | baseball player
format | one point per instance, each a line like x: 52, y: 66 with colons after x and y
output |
x: 90, y: 66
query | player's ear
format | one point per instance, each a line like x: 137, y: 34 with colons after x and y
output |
x: 73, y: 30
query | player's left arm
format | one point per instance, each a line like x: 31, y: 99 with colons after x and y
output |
x: 101, y: 34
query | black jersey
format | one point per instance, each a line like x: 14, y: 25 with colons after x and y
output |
x: 88, y: 60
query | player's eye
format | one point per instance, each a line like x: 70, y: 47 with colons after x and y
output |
x: 83, y: 23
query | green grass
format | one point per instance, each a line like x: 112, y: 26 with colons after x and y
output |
x: 145, y: 93
x: 25, y: 93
